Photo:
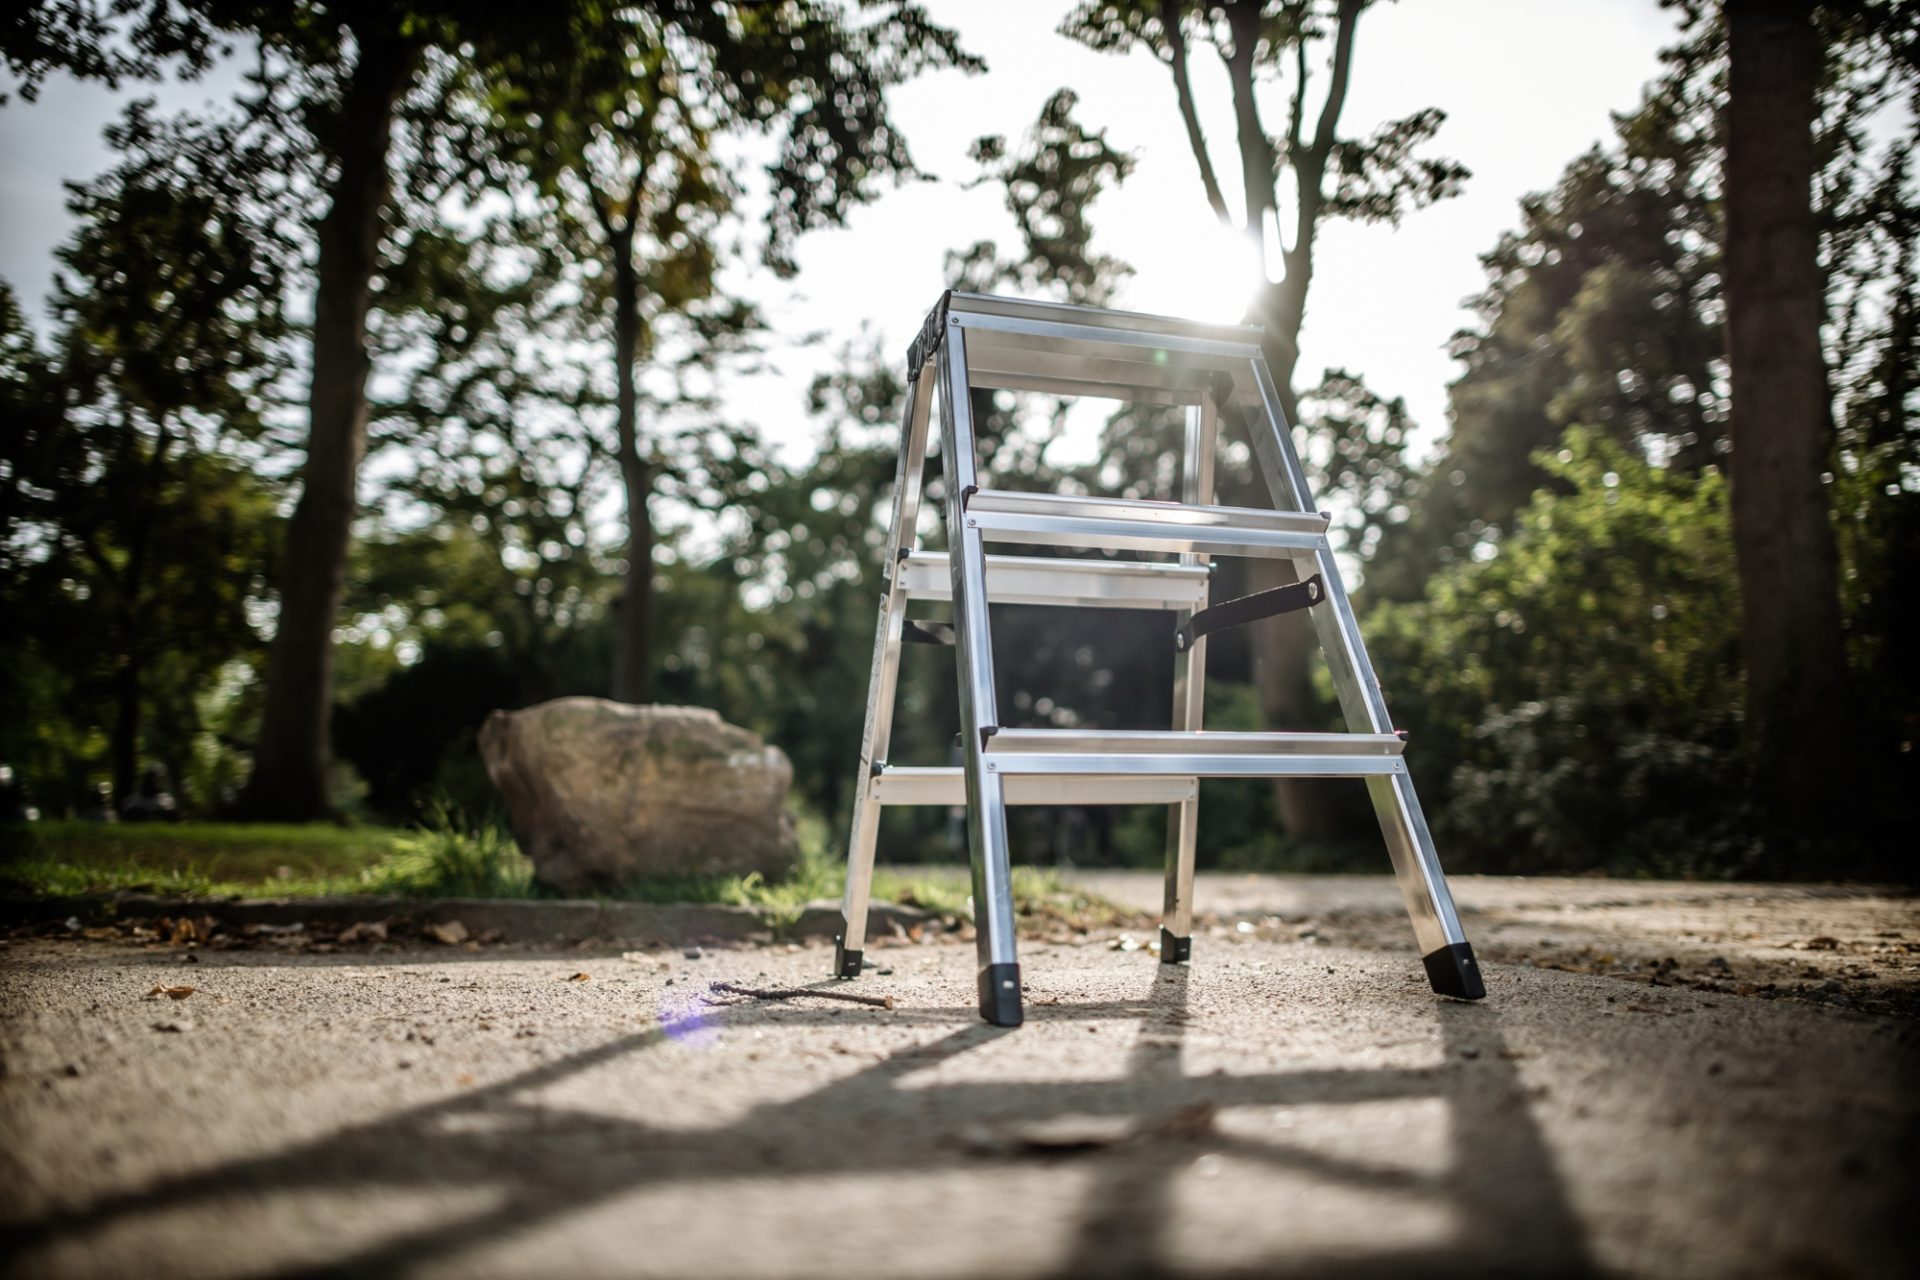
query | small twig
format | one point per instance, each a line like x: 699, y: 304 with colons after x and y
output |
x: 789, y: 993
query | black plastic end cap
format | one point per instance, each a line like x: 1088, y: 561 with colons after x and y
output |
x: 1000, y: 995
x: 1174, y: 950
x: 846, y: 964
x: 1453, y: 972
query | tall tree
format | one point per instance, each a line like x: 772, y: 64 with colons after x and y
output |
x: 342, y: 70
x: 455, y: 99
x: 621, y: 144
x: 1305, y: 174
x: 1782, y: 415
x: 150, y: 532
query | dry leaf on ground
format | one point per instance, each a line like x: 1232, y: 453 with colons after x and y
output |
x: 175, y: 993
x: 450, y: 934
x: 1190, y: 1122
x: 1066, y: 1134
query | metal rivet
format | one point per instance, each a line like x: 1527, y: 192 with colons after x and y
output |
x: 992, y: 767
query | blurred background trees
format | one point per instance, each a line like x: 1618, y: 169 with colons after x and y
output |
x: 386, y: 395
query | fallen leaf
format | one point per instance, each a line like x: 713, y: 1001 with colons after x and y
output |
x: 1823, y: 944
x: 463, y: 1078
x: 1190, y: 1122
x: 581, y: 977
x: 1069, y: 1134
x: 175, y: 1026
x: 365, y: 931
x: 175, y: 993
x: 450, y: 934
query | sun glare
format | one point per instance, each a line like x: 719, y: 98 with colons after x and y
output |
x: 1208, y: 276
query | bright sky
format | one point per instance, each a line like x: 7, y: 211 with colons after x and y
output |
x: 1527, y: 85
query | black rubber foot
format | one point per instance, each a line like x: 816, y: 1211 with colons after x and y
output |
x: 846, y: 964
x: 1452, y: 972
x: 1174, y: 950
x: 1000, y: 995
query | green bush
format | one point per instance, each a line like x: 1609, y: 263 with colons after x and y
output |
x: 1573, y: 692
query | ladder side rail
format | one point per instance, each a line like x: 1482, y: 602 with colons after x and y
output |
x: 998, y: 961
x: 1201, y: 440
x: 883, y: 683
x: 1416, y: 862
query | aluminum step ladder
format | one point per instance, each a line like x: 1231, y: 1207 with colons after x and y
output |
x: 976, y: 341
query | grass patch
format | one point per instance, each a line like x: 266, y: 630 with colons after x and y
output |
x: 199, y: 859
x: 451, y: 858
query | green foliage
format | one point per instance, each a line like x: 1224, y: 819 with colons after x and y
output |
x: 451, y: 858
x: 1573, y: 693
x: 1062, y: 169
x: 138, y: 532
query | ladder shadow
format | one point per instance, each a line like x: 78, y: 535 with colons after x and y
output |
x: 552, y: 1160
x: 1507, y: 1198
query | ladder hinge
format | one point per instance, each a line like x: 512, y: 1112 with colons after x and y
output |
x: 1220, y: 387
x: 987, y: 731
x: 927, y: 344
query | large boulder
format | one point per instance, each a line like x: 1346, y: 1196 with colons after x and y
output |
x: 602, y: 793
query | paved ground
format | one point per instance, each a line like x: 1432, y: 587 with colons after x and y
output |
x: 1285, y: 1105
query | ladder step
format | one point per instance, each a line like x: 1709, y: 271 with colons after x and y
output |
x: 895, y: 785
x: 1159, y: 753
x: 1056, y: 520
x: 1106, y: 584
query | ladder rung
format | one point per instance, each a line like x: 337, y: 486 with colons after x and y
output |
x: 1135, y: 754
x: 1106, y: 584
x: 1056, y: 520
x: 907, y: 784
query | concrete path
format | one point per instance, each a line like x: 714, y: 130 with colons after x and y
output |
x: 1282, y: 1106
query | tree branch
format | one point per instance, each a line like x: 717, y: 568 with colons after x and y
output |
x: 1189, y: 114
x: 1297, y: 109
x: 1256, y: 149
x: 1310, y: 167
x: 1348, y: 19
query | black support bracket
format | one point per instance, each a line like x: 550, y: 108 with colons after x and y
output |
x: 1261, y: 604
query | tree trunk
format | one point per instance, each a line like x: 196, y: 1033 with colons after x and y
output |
x: 126, y: 729
x: 633, y: 638
x: 289, y: 780
x: 1781, y: 427
x: 1284, y: 652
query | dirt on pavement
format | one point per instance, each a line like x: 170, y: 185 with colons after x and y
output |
x: 1283, y: 1105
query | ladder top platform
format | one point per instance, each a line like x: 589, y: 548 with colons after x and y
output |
x: 1062, y: 349
x: 1066, y: 313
